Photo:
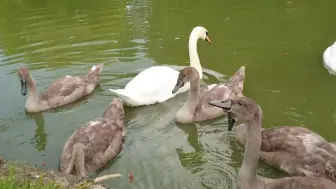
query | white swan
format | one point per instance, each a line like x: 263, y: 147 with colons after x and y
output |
x: 155, y: 84
x: 329, y: 59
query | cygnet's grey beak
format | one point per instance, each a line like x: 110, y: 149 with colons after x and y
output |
x: 178, y: 85
x: 226, y: 106
x: 23, y: 87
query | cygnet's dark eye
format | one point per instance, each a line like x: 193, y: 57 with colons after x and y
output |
x: 240, y: 104
x: 184, y: 75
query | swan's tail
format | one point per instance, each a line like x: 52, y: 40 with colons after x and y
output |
x: 237, y: 79
x: 128, y: 100
x: 77, y: 160
x: 95, y: 70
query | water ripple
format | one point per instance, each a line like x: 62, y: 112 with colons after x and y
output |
x: 294, y: 116
x: 214, y: 172
x: 214, y: 175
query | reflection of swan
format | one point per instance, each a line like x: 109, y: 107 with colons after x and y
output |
x: 250, y: 113
x: 40, y: 137
x: 196, y: 156
x: 155, y: 84
x: 208, y: 165
x: 334, y: 117
x: 191, y: 131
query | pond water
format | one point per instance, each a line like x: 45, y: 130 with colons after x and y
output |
x: 280, y: 43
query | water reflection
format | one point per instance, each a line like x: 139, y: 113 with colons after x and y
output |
x: 209, y: 163
x: 40, y: 137
x: 56, y: 35
x: 3, y: 126
x: 194, y: 158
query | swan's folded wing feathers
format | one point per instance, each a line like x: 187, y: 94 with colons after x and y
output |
x: 272, y: 139
x: 316, y: 154
x: 216, y: 93
x: 291, y: 138
x: 79, y: 136
x: 63, y: 87
x: 101, y: 135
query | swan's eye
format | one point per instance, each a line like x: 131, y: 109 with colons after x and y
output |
x: 206, y: 33
x: 240, y: 104
x: 184, y: 75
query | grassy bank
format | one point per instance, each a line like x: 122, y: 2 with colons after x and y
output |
x: 16, y: 175
x: 10, y: 182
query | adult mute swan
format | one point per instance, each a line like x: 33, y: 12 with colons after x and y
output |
x: 250, y: 113
x: 155, y: 84
x: 329, y: 59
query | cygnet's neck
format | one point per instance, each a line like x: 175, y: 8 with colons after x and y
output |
x: 247, y: 172
x: 114, y: 112
x: 333, y: 48
x: 32, y: 91
x: 193, y: 96
x: 193, y: 55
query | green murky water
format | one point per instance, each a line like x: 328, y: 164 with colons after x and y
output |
x: 280, y: 43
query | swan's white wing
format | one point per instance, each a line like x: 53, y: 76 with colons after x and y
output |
x: 153, y: 81
x: 329, y: 59
x: 150, y: 86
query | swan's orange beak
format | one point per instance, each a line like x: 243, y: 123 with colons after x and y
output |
x: 207, y: 39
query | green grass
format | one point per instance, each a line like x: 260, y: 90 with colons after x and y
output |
x: 10, y: 182
x: 17, y: 175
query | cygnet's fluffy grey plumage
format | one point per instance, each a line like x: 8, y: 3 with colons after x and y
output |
x: 250, y: 113
x: 196, y: 107
x: 96, y: 143
x: 61, y: 92
x: 295, y: 150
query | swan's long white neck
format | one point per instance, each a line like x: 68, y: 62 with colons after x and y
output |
x: 193, y: 55
x: 333, y: 48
